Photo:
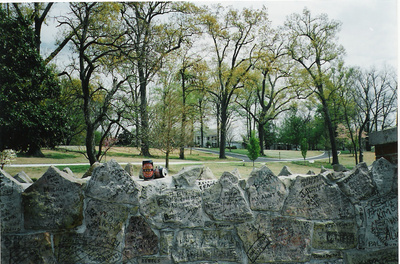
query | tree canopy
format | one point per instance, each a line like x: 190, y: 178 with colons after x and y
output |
x: 312, y: 44
x: 155, y: 74
x: 30, y: 116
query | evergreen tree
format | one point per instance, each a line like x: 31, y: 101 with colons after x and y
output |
x: 30, y: 114
x: 304, y: 148
x: 253, y: 147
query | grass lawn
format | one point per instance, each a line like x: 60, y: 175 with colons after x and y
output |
x: 276, y: 154
x: 70, y: 155
x: 296, y: 167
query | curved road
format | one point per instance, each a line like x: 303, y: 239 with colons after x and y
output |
x: 244, y: 158
x: 241, y: 157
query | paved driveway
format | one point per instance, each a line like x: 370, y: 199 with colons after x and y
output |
x: 261, y: 159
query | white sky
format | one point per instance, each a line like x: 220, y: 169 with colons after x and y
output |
x: 369, y: 27
x: 369, y: 30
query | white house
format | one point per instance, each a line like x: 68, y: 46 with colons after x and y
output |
x: 209, y: 138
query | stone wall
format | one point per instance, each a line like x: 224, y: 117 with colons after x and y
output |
x: 385, y: 143
x: 191, y: 217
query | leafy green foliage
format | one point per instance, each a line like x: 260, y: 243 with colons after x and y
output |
x: 270, y: 134
x: 253, y: 147
x: 304, y: 147
x: 293, y: 129
x: 126, y: 138
x: 312, y: 45
x: 30, y: 116
x: 60, y: 156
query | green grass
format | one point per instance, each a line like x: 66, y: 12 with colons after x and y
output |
x: 126, y: 155
x: 59, y: 156
x: 76, y: 169
x: 276, y: 154
x: 217, y: 166
x: 315, y: 164
x: 238, y: 151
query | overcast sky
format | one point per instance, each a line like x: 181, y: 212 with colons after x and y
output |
x: 369, y: 27
x: 368, y: 33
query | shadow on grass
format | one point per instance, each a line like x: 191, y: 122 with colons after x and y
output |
x: 316, y: 164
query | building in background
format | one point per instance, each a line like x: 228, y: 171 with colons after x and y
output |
x: 210, y: 138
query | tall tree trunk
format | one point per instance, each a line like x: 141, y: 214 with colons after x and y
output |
x: 39, y: 19
x: 201, y: 130
x: 38, y: 27
x: 182, y: 147
x: 90, y: 144
x: 90, y: 129
x: 368, y: 147
x: 183, y: 124
x: 137, y: 134
x: 361, y: 156
x: 224, y: 121
x: 248, y: 124
x: 144, y: 117
x: 360, y: 149
x: 219, y: 118
x: 200, y: 105
x: 331, y: 131
x: 167, y: 159
x: 34, y: 151
x: 261, y: 137
x: 355, y: 151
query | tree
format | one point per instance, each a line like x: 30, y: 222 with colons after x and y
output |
x: 6, y: 157
x: 304, y: 147
x: 167, y: 114
x: 375, y: 96
x: 150, y: 41
x: 253, y: 147
x: 343, y: 80
x: 30, y: 114
x: 233, y: 35
x: 202, y: 103
x: 125, y: 138
x: 35, y: 16
x: 350, y: 139
x: 293, y: 128
x: 312, y: 44
x: 270, y: 134
x: 274, y: 93
x: 187, y: 80
x: 130, y: 99
x: 97, y: 42
x: 71, y: 101
x: 230, y: 135
x: 316, y: 131
x: 383, y: 84
x: 247, y: 101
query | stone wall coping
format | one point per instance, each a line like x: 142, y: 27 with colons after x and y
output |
x: 192, y: 217
x: 383, y: 137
